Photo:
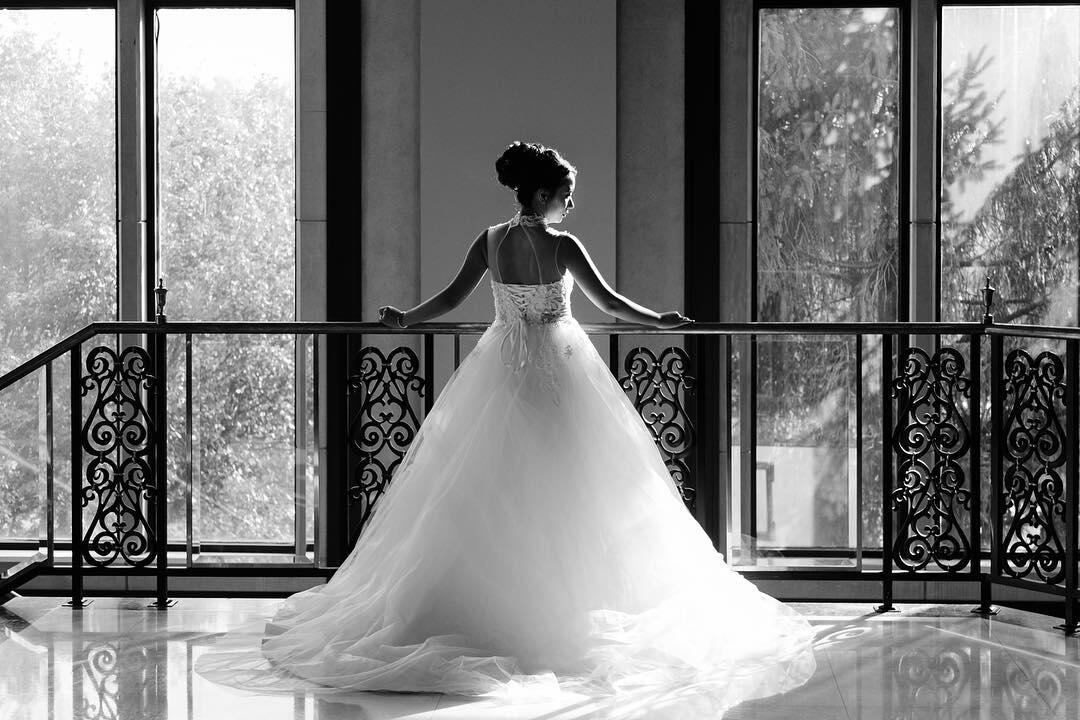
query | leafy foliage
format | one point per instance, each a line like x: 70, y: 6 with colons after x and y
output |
x: 227, y: 243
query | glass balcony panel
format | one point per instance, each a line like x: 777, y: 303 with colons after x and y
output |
x: 243, y: 436
x: 806, y: 499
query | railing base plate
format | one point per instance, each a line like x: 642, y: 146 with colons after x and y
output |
x: 987, y: 611
x: 1069, y: 629
x: 162, y: 606
x: 886, y: 609
x: 77, y: 605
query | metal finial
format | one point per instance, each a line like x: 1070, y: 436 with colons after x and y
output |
x: 159, y: 296
x: 988, y: 303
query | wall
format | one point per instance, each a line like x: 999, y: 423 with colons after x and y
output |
x: 495, y: 71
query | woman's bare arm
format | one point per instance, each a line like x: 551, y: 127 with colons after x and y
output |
x: 574, y: 257
x: 468, y: 277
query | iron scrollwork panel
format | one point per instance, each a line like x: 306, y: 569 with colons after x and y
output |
x: 931, y: 440
x: 118, y: 437
x: 657, y: 387
x: 382, y: 424
x: 1032, y: 494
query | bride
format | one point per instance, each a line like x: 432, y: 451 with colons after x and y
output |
x: 532, y: 537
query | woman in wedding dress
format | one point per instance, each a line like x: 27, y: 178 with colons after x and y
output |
x: 532, y: 539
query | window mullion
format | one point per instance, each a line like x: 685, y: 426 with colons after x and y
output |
x: 922, y: 229
x: 131, y: 159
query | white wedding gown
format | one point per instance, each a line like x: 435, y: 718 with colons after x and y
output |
x: 531, y: 541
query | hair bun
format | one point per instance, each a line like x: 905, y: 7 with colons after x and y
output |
x: 516, y: 163
x: 525, y: 166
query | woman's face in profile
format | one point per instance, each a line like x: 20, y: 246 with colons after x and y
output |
x: 562, y: 202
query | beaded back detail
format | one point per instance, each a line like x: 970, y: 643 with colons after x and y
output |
x: 543, y: 303
x: 527, y: 316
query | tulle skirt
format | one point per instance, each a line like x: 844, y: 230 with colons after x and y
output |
x: 531, y: 542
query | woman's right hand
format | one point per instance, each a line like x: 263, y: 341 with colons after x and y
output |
x: 390, y: 316
x: 672, y: 319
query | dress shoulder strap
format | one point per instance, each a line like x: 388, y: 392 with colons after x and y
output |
x: 495, y: 255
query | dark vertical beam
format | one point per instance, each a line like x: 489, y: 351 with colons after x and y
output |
x: 974, y: 453
x: 702, y: 246
x: 343, y: 273
x: 150, y: 164
x: 1072, y: 477
x: 159, y: 344
x: 985, y: 607
x: 886, y: 473
x: 189, y: 480
x: 725, y: 345
x: 904, y: 225
x: 50, y: 482
x: 859, y: 453
x: 429, y: 372
x: 316, y: 432
x: 77, y: 599
x: 997, y: 430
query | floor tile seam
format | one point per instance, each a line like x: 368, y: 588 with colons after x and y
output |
x: 839, y: 692
x: 1031, y: 680
x: 1040, y: 655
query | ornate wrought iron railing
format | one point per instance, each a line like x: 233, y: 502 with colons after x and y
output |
x: 935, y: 425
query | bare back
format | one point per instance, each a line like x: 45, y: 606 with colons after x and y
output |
x: 521, y: 255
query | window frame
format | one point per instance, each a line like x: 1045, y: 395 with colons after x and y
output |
x: 903, y: 152
x: 906, y: 272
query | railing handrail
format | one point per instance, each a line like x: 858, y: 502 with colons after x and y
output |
x: 46, y: 356
x: 224, y: 327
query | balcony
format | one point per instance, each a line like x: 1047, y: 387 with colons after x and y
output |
x: 977, y: 475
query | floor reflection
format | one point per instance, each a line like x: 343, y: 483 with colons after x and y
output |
x: 118, y: 659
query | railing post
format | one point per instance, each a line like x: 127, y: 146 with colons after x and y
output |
x: 986, y: 581
x: 429, y: 372
x: 886, y: 474
x: 50, y: 482
x: 975, y: 453
x: 997, y: 426
x: 189, y: 480
x: 300, y: 445
x: 704, y: 412
x: 859, y: 452
x: 1072, y: 492
x: 318, y: 553
x: 77, y: 599
x: 159, y: 396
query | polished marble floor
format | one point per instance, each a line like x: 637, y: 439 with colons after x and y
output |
x: 120, y: 659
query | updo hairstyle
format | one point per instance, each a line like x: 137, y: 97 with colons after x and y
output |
x: 528, y: 167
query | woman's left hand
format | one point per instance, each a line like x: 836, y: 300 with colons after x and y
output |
x: 390, y: 316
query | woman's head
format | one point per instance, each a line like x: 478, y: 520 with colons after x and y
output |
x: 541, y: 178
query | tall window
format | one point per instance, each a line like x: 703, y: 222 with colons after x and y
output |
x: 57, y: 224
x: 227, y: 251
x: 827, y: 248
x: 1010, y: 161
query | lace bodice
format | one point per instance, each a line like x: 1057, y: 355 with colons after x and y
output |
x: 526, y: 319
x: 544, y: 303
